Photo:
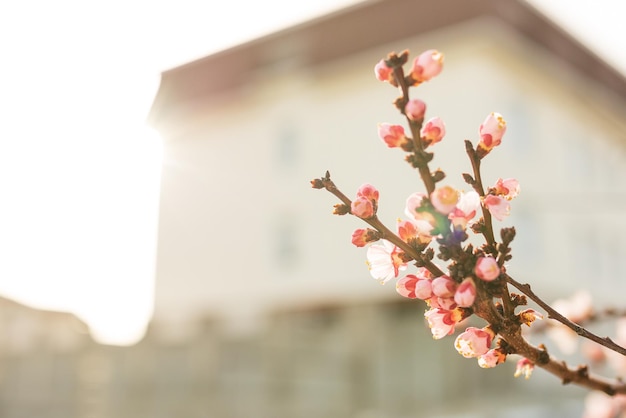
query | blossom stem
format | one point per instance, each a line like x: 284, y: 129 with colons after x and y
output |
x: 583, y: 332
x: 510, y: 331
x: 415, y: 127
x: 509, y: 309
x: 478, y: 186
x: 385, y: 232
x: 540, y: 357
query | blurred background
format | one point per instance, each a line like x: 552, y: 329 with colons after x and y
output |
x: 163, y: 254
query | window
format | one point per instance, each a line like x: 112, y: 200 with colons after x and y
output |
x: 285, y: 248
x: 286, y: 147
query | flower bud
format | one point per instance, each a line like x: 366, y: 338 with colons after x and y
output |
x: 491, y: 132
x: 444, y: 287
x: 412, y: 286
x: 427, y: 65
x: 444, y: 199
x: 442, y: 322
x: 368, y: 191
x: 507, y: 188
x: 361, y: 237
x: 487, y: 269
x: 433, y: 131
x: 392, y: 135
x: 383, y: 72
x: 491, y: 358
x: 497, y: 206
x: 446, y: 303
x: 415, y: 110
x: 474, y: 342
x: 362, y: 207
x: 465, y: 293
x: 524, y: 367
x: 528, y: 316
x: 424, y: 220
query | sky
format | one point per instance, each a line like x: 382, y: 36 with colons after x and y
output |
x: 79, y: 167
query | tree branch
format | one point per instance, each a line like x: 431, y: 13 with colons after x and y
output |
x: 583, y: 332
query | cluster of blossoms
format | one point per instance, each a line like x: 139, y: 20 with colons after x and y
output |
x: 448, y: 300
x: 438, y: 222
x: 445, y: 296
x: 443, y: 215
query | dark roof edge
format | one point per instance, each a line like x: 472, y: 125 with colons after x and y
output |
x: 537, y: 27
x: 367, y: 25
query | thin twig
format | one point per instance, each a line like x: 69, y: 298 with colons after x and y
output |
x: 385, y: 232
x: 583, y: 332
x: 415, y: 128
x: 478, y: 187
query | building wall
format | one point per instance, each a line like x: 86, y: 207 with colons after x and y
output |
x: 354, y: 360
x: 241, y: 232
x: 264, y: 309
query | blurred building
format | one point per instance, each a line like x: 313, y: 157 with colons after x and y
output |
x: 241, y: 233
x: 263, y: 307
x: 246, y: 243
x: 38, y: 361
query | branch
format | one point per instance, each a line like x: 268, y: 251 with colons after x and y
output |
x: 606, y: 341
x: 579, y: 375
x: 478, y: 186
x: 385, y: 232
x: 415, y: 127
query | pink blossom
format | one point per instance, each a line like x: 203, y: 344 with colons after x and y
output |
x: 465, y: 209
x: 474, y: 342
x: 415, y: 110
x: 524, y: 367
x: 409, y: 230
x: 577, y: 308
x: 425, y: 221
x: 528, y: 316
x: 497, y: 206
x: 487, y: 269
x: 427, y: 65
x: 362, y: 207
x: 446, y: 303
x: 564, y: 338
x: 442, y: 322
x: 600, y: 405
x: 491, y: 132
x: 465, y: 293
x: 507, y: 188
x: 444, y: 287
x: 368, y: 191
x: 384, y: 261
x: 593, y: 352
x: 412, y: 286
x: 491, y: 358
x: 359, y: 237
x: 413, y: 203
x: 424, y: 273
x: 392, y: 135
x: 383, y: 72
x: 444, y: 199
x: 366, y: 202
x: 433, y: 131
x: 406, y: 230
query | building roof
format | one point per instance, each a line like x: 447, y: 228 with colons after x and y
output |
x: 362, y: 26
